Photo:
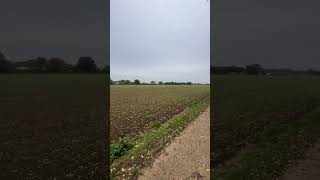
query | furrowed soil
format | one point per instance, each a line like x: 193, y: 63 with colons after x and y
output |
x: 146, y: 146
x: 135, y: 108
x: 52, y: 126
x: 307, y: 168
x: 262, y: 123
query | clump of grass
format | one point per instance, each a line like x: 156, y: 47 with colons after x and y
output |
x: 119, y: 149
x: 155, y: 125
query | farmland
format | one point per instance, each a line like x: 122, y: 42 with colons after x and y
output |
x: 52, y: 125
x: 144, y: 118
x: 262, y: 123
x: 134, y: 108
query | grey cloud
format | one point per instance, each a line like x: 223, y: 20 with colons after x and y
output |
x: 160, y: 40
x: 66, y: 29
x: 272, y: 33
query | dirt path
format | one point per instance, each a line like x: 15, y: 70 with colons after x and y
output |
x: 187, y: 157
x: 308, y: 168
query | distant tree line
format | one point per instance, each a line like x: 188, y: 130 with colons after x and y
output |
x: 256, y: 69
x: 138, y: 82
x: 249, y: 69
x: 52, y: 65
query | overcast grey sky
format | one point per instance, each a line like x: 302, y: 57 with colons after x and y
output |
x: 272, y: 33
x: 54, y: 28
x: 161, y: 40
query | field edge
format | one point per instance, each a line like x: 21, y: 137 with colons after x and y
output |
x: 275, y: 150
x: 148, y: 145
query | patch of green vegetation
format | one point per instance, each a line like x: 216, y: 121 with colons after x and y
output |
x: 119, y: 149
x: 155, y: 125
x: 156, y: 137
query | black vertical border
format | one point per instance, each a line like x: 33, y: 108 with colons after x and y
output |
x: 212, y: 59
x: 107, y: 118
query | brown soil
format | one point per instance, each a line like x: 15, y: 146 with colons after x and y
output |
x: 308, y: 168
x: 187, y: 157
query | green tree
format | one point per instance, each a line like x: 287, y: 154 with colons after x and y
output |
x: 253, y: 69
x: 86, y: 65
x: 127, y: 82
x: 57, y: 65
x: 5, y: 65
x: 137, y: 81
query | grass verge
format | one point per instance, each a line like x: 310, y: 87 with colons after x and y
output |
x: 145, y: 145
x: 274, y: 150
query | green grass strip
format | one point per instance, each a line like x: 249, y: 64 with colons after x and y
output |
x: 274, y: 150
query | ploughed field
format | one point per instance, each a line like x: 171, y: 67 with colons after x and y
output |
x: 266, y: 112
x: 135, y: 108
x: 52, y: 126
